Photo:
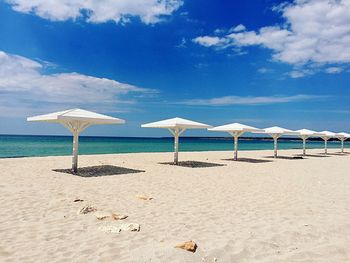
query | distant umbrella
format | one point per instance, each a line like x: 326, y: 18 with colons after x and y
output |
x: 342, y: 136
x: 236, y: 130
x: 276, y: 132
x: 326, y: 135
x: 176, y: 126
x: 304, y: 134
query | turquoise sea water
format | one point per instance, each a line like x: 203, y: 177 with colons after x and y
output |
x: 23, y: 145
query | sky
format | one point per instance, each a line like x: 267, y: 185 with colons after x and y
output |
x: 261, y: 63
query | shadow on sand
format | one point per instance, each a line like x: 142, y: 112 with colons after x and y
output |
x: 194, y: 164
x: 248, y: 160
x: 287, y: 157
x: 314, y: 155
x: 101, y: 170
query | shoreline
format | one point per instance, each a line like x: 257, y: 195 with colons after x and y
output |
x: 204, y: 151
x: 228, y: 137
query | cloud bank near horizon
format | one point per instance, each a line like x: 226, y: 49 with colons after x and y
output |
x: 251, y: 100
x: 23, y: 84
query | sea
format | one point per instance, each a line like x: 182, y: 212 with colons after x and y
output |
x: 12, y: 146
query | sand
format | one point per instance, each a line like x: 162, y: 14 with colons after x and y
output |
x: 278, y: 211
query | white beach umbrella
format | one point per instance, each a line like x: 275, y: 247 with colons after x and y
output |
x: 326, y: 135
x: 342, y: 136
x: 76, y: 120
x: 304, y: 134
x: 276, y: 132
x: 236, y: 130
x: 176, y: 126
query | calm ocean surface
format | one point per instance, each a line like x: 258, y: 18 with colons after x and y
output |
x: 22, y: 145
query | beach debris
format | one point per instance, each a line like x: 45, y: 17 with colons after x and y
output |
x: 87, y: 209
x: 109, y: 216
x: 144, y: 197
x: 118, y: 227
x: 78, y: 200
x: 118, y: 217
x: 100, y: 215
x: 189, y: 246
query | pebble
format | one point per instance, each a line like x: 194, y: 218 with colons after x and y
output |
x: 189, y: 246
x: 87, y: 209
x: 118, y: 227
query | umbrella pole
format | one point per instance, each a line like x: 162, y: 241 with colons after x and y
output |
x: 75, y: 151
x: 304, y: 146
x: 342, y: 146
x: 325, y: 146
x: 236, y: 147
x: 176, y: 146
x: 275, y: 146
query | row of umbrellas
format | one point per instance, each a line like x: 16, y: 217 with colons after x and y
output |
x: 77, y: 120
x: 178, y: 125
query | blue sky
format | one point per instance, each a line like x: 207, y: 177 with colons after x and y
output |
x: 261, y: 63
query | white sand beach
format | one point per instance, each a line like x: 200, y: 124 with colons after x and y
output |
x: 279, y: 211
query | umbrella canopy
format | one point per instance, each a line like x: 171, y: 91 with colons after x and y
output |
x: 76, y: 120
x: 304, y: 134
x: 176, y: 126
x: 176, y: 123
x: 326, y: 135
x: 276, y: 132
x: 236, y: 130
x: 342, y: 136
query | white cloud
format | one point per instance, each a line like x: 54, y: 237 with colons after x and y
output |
x: 264, y: 70
x: 238, y: 28
x: 208, y: 41
x: 314, y: 32
x: 334, y: 70
x: 295, y: 74
x: 219, y: 31
x: 22, y: 83
x: 98, y: 11
x: 301, y: 72
x: 236, y: 100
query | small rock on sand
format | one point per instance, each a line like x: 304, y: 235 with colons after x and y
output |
x: 118, y: 227
x: 118, y: 217
x: 78, y: 200
x: 144, y: 197
x: 109, y: 216
x: 87, y: 209
x: 189, y: 246
x: 102, y: 215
